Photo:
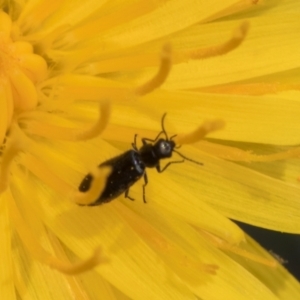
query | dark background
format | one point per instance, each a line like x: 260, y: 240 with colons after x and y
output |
x: 287, y: 246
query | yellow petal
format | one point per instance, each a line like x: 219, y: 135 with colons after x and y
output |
x: 129, y: 255
x: 133, y: 259
x: 171, y: 17
x: 257, y: 56
x: 34, y: 13
x: 248, y: 119
x: 243, y: 194
x: 4, y: 113
x: 41, y: 277
x: 235, y: 190
x: 113, y: 17
x: 279, y: 280
x: 7, y: 272
x: 64, y: 13
x: 176, y: 198
x: 186, y: 237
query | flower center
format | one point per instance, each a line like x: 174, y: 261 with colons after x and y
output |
x: 20, y: 71
x: 8, y: 59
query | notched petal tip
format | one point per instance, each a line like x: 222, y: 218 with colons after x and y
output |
x: 98, y: 184
x: 206, y: 128
x: 162, y: 74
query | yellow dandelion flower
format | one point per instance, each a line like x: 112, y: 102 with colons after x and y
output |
x: 62, y: 61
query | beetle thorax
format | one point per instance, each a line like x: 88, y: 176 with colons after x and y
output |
x: 152, y: 154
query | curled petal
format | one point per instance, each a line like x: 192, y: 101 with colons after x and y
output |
x: 39, y: 253
x: 71, y: 134
x: 160, y: 77
x: 200, y: 132
x: 99, y: 126
x: 237, y: 38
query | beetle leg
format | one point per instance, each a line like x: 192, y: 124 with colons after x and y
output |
x: 159, y: 170
x: 144, y: 187
x: 134, y: 146
x: 145, y: 140
x: 127, y: 196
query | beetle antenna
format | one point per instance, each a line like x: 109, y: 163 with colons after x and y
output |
x: 163, y: 126
x: 191, y: 160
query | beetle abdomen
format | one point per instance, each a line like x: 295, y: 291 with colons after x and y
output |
x: 127, y: 168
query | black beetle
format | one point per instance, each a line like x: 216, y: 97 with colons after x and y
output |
x: 130, y: 166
